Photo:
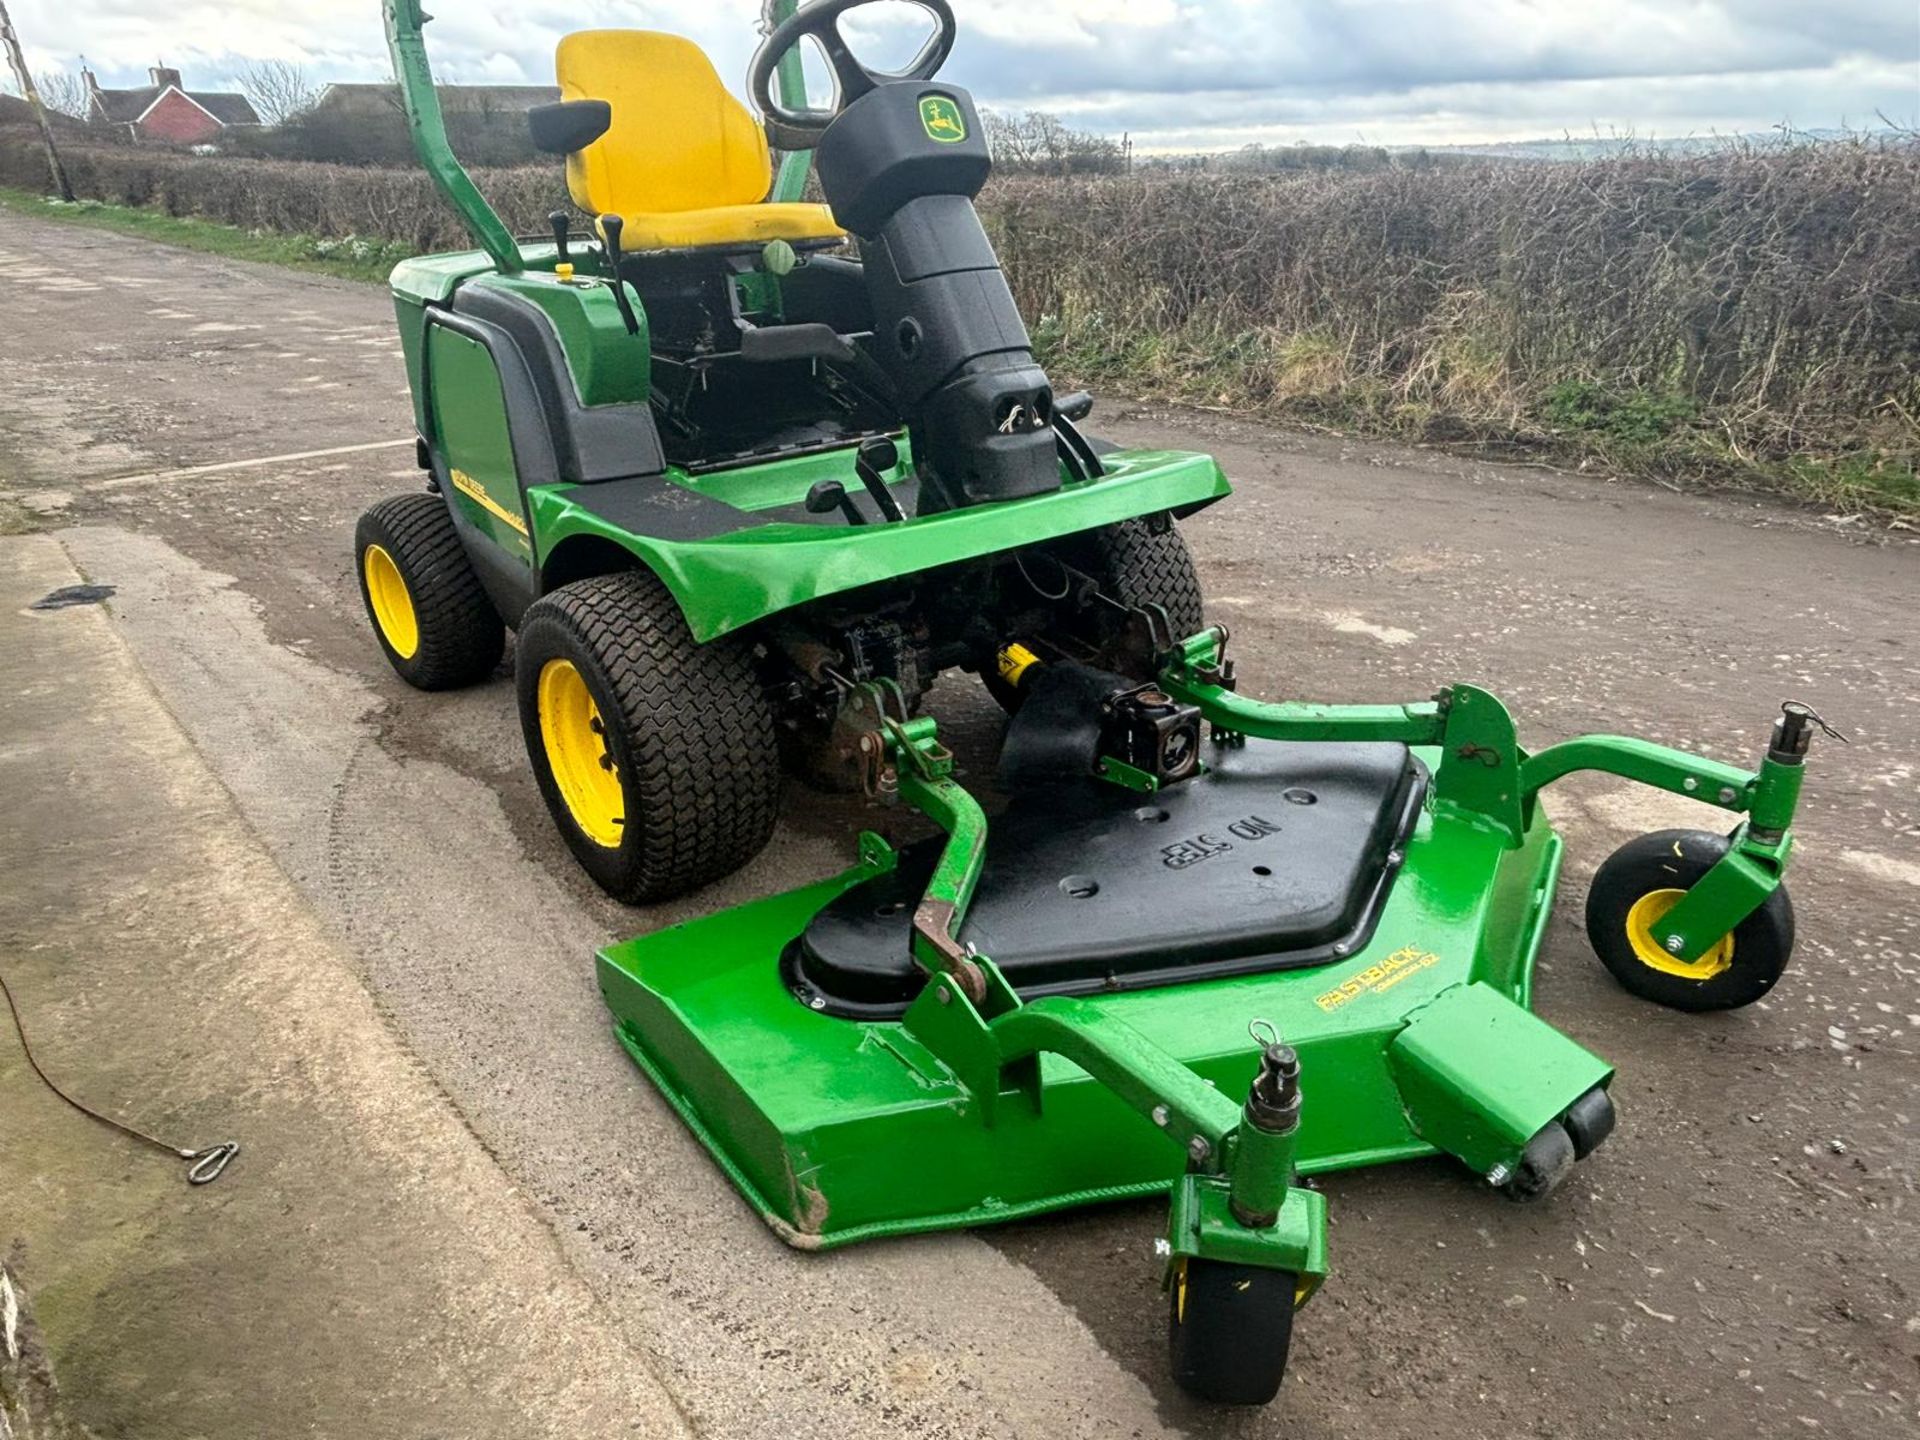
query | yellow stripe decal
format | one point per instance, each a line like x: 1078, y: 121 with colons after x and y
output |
x: 476, y: 492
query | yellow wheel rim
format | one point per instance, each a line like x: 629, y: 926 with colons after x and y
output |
x: 392, y: 605
x: 1646, y: 913
x: 576, y: 742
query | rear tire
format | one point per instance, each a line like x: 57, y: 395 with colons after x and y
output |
x: 1138, y: 566
x: 658, y: 756
x: 428, y: 608
x: 1229, y: 1328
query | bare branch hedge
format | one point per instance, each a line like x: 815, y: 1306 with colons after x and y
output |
x: 1765, y: 301
x: 1777, y: 289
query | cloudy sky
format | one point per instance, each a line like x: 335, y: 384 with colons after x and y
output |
x: 1176, y: 74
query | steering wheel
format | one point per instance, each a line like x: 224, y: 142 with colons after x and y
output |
x: 801, y: 129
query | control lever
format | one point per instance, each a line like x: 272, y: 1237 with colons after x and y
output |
x: 562, y: 224
x: 611, y: 226
x: 876, y: 454
x: 830, y: 495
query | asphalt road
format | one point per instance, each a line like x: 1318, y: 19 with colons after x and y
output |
x: 1738, y: 1260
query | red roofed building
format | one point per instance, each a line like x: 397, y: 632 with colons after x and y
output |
x: 165, y: 111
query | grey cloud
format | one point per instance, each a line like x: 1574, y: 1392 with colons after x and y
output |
x: 1231, y: 69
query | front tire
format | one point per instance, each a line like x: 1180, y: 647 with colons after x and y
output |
x: 1644, y: 879
x: 657, y: 756
x: 428, y: 608
x: 1229, y: 1328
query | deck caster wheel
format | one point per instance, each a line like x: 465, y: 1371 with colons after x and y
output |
x: 1547, y: 1160
x: 658, y: 756
x: 429, y: 612
x: 1644, y: 879
x: 1229, y: 1328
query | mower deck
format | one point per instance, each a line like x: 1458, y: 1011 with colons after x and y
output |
x: 839, y: 1129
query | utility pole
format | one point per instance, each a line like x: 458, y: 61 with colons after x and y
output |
x: 32, y: 97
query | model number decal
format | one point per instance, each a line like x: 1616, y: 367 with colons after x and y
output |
x: 476, y: 492
x: 1380, y: 978
x: 1192, y: 851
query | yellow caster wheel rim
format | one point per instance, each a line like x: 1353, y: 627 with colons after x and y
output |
x: 391, y: 604
x: 1646, y: 913
x: 575, y: 737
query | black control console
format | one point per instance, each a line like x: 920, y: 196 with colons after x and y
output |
x: 900, y: 159
x: 900, y: 168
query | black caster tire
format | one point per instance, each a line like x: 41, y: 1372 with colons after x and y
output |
x: 659, y: 757
x: 1639, y: 883
x: 1136, y: 565
x: 1229, y: 1328
x: 1548, y: 1159
x: 429, y: 611
x: 1589, y: 1121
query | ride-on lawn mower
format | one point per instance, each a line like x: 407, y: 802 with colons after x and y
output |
x: 742, y: 496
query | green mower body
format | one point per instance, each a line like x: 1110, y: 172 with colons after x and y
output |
x: 741, y: 499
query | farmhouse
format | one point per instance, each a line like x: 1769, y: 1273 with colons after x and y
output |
x: 165, y: 111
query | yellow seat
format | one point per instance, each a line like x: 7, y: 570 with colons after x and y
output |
x: 683, y: 163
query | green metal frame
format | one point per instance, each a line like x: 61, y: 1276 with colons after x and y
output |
x: 790, y: 179
x: 1484, y: 768
x: 732, y: 580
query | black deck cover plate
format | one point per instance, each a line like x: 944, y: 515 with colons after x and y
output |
x: 1271, y: 860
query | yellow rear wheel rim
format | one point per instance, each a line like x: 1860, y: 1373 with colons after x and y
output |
x: 1646, y: 913
x: 575, y: 737
x: 392, y: 605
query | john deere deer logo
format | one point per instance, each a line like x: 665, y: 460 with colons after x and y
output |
x: 941, y: 116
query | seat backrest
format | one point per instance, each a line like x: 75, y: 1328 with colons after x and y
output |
x: 678, y: 140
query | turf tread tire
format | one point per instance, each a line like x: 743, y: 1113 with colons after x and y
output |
x: 1138, y: 565
x: 461, y: 634
x: 689, y: 727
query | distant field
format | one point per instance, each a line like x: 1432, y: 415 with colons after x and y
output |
x: 1747, y: 316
